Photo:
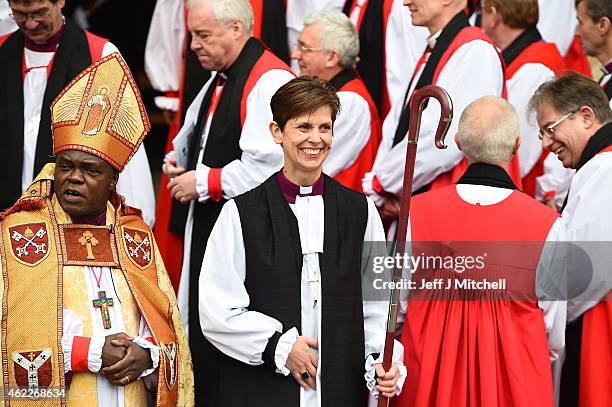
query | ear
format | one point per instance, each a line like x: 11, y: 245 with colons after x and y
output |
x: 587, y: 116
x: 496, y: 17
x: 237, y: 29
x: 333, y: 59
x: 277, y: 133
x: 605, y: 26
x: 61, y: 3
x: 517, y: 145
x: 114, y: 181
x: 457, y: 141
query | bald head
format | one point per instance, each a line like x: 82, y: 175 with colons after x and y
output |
x: 489, y: 131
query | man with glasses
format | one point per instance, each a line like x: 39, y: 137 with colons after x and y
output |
x: 327, y: 48
x: 38, y: 61
x: 575, y: 122
x: 228, y: 149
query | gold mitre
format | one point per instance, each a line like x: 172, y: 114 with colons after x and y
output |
x: 101, y: 112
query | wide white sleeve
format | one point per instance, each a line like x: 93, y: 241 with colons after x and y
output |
x: 473, y: 71
x: 404, y: 45
x: 555, y: 181
x: 73, y: 327
x: 352, y: 130
x: 261, y: 156
x: 223, y: 300
x: 550, y: 300
x: 376, y: 304
x: 136, y: 185
x: 521, y: 88
x: 587, y: 223
x: 109, y: 48
x: 164, y: 48
x: 557, y: 22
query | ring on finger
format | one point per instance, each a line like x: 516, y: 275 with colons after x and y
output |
x: 305, y: 376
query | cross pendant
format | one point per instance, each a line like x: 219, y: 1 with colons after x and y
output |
x: 103, y: 303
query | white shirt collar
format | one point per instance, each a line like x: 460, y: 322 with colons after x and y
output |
x: 433, y: 39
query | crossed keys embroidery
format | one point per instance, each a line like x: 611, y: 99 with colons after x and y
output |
x: 32, y: 364
x: 139, y: 243
x: 29, y: 236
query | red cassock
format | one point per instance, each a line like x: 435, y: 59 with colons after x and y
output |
x: 596, y: 356
x: 351, y: 177
x: 478, y: 349
x: 548, y: 55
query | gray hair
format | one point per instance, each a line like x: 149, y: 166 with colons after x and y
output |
x: 337, y: 34
x: 569, y: 92
x: 488, y: 130
x: 228, y: 11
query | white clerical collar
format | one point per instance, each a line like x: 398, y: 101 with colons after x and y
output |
x: 433, y: 39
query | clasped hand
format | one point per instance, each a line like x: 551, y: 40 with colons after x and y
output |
x: 123, y: 361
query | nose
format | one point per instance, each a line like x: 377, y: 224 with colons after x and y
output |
x: 30, y: 23
x: 295, y: 53
x: 546, y: 142
x: 315, y: 136
x: 195, y: 44
x: 75, y: 176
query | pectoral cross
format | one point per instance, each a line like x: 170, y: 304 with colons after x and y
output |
x: 103, y: 303
x: 88, y: 240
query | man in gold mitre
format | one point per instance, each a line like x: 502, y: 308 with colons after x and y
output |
x: 88, y: 313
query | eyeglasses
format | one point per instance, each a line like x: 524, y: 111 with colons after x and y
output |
x: 303, y: 48
x: 36, y: 16
x: 549, y: 131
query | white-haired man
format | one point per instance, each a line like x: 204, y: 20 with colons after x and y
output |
x: 489, y: 338
x: 229, y: 150
x: 327, y: 47
x: 462, y: 60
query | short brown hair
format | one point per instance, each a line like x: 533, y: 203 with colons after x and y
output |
x: 302, y: 95
x: 597, y: 9
x: 516, y: 13
x: 571, y: 91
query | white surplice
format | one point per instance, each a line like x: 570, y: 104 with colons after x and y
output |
x: 242, y: 334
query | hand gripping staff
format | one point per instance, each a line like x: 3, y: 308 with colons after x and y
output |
x: 417, y: 104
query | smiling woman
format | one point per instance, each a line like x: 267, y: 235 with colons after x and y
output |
x: 304, y: 111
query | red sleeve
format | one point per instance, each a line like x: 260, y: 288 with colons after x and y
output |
x: 80, y: 350
x: 214, y: 184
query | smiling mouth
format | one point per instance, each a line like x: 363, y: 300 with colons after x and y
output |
x: 558, y: 150
x: 311, y: 151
